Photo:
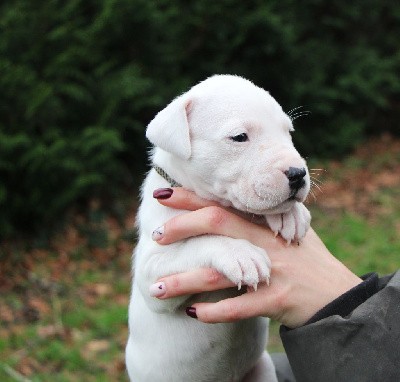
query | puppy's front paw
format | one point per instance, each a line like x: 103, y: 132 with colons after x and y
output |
x: 243, y: 263
x: 292, y: 225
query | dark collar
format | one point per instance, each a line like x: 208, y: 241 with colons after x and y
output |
x: 162, y: 173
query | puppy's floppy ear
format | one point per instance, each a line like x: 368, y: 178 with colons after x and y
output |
x: 169, y: 129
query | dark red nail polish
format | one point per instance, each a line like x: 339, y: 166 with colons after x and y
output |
x: 191, y: 312
x: 162, y: 193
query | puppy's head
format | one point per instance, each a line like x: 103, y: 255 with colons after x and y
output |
x: 232, y: 140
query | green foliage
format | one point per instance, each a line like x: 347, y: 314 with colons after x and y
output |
x: 80, y: 79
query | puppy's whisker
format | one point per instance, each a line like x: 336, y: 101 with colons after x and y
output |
x: 315, y: 186
x: 298, y: 115
x: 312, y: 194
x: 318, y: 187
x: 316, y: 171
x: 290, y: 112
x: 314, y: 179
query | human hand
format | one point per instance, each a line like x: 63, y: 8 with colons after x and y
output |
x: 304, y: 278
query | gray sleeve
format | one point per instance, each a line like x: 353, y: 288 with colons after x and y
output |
x: 363, y: 346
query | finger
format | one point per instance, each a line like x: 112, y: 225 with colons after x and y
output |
x: 232, y: 309
x: 182, y: 199
x: 214, y: 219
x: 211, y: 220
x: 196, y: 281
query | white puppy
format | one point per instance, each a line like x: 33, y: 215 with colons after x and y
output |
x: 228, y: 140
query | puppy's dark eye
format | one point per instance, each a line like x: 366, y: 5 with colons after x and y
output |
x: 240, y: 138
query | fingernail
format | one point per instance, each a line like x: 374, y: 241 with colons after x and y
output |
x: 162, y: 193
x: 158, y: 233
x: 191, y: 312
x: 157, y: 289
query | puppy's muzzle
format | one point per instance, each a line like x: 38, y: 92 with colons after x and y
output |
x: 296, y: 180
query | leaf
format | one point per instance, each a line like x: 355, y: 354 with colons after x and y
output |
x: 96, y: 346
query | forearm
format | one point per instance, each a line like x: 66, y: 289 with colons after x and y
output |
x: 360, y: 345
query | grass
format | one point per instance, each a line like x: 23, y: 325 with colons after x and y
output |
x: 363, y: 246
x: 68, y: 326
x: 63, y: 315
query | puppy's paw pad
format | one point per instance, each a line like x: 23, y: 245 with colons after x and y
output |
x: 303, y: 219
x: 292, y: 225
x: 244, y: 264
x: 275, y: 222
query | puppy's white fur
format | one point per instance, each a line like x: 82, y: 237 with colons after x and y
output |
x: 194, y: 145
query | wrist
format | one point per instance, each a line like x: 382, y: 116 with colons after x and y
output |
x: 350, y: 300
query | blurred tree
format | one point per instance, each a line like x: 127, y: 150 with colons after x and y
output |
x: 80, y: 80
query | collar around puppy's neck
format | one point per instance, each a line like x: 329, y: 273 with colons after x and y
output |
x: 162, y: 173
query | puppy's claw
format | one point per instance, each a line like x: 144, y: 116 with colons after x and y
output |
x: 239, y: 285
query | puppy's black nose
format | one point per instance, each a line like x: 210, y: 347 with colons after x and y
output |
x: 296, y: 177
